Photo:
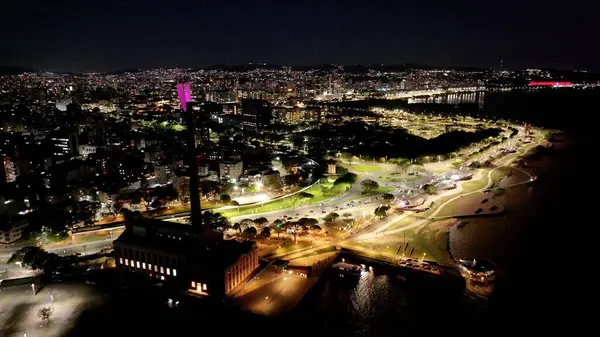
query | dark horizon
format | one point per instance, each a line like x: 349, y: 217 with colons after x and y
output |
x: 78, y: 36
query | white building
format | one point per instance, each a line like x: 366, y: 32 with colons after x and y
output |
x: 231, y: 169
x: 85, y: 150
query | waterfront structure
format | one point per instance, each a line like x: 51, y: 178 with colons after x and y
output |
x: 477, y: 270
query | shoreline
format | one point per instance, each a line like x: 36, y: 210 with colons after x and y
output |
x: 468, y: 241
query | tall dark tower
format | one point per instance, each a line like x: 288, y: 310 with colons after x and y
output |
x: 196, y: 216
x: 198, y: 226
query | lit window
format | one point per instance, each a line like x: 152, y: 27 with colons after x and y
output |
x: 156, y: 268
x: 174, y: 272
x: 144, y: 265
x: 204, y: 286
x: 138, y: 264
x: 168, y: 271
x: 121, y: 260
x: 149, y: 266
x: 193, y: 284
x: 162, y: 277
x: 126, y: 262
x: 162, y: 270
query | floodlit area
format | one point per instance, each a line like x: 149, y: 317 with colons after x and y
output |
x: 20, y: 309
x: 248, y: 199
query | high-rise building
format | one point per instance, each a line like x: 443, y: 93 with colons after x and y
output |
x: 256, y: 114
x: 64, y: 143
x: 8, y: 170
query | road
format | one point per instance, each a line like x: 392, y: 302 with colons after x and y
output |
x: 78, y: 248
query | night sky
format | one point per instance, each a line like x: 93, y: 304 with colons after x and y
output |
x: 106, y: 35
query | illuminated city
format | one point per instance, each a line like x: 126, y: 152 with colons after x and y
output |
x: 334, y: 199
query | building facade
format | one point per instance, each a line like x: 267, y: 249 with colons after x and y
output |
x: 231, y: 169
x: 174, y: 254
x: 12, y: 231
x: 256, y: 114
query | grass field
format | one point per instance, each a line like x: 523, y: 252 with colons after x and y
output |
x: 316, y: 191
x: 362, y: 168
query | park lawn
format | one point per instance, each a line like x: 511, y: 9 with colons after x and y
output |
x: 499, y: 173
x: 380, y: 190
x: 284, y: 203
x: 407, y: 220
x: 471, y: 186
x: 362, y: 168
x: 440, y: 170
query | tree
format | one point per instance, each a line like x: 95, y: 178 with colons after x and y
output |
x: 308, y: 221
x: 216, y: 221
x: 388, y: 196
x: 225, y: 198
x: 369, y: 185
x: 347, y: 215
x: 381, y: 211
x: 33, y: 257
x: 266, y: 232
x: 211, y: 189
x: 354, y: 159
x: 45, y: 313
x: 252, y: 188
x: 261, y: 221
x: 430, y: 189
x: 182, y: 187
x: 404, y: 164
x: 237, y: 226
x: 382, y: 160
x: 346, y: 178
x: 294, y: 199
x: 316, y: 227
x: 250, y: 231
x: 290, y: 179
x: 278, y: 230
x: 331, y: 217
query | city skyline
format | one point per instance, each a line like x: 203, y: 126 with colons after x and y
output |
x: 83, y: 37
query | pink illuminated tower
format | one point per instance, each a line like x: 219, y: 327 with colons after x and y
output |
x: 185, y: 94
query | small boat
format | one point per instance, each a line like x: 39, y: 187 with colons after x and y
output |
x: 347, y: 268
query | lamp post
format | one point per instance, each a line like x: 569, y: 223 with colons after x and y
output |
x: 52, y: 300
x: 33, y: 288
